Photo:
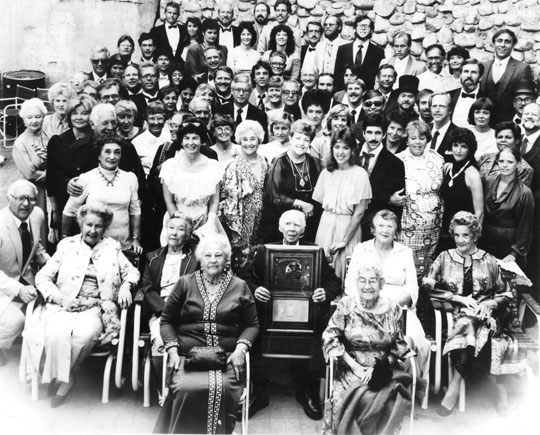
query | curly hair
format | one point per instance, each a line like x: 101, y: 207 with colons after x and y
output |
x: 467, y: 137
x: 420, y: 127
x: 289, y: 49
x: 218, y: 239
x: 249, y: 27
x: 335, y: 111
x: 97, y: 209
x: 249, y: 126
x: 467, y: 219
x: 302, y: 126
x: 346, y: 137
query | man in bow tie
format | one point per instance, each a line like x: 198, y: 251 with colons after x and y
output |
x: 464, y: 97
x: 386, y: 173
x: 313, y: 36
x: 170, y: 37
x: 503, y: 74
x: 229, y: 35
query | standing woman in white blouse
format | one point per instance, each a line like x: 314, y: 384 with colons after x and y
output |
x: 242, y: 58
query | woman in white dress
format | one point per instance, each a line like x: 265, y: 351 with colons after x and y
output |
x: 242, y: 58
x: 190, y: 180
x: 344, y: 191
x: 480, y: 115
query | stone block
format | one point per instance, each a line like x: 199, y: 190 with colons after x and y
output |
x: 498, y: 20
x: 471, y: 18
x: 335, y: 11
x: 461, y: 2
x: 512, y: 19
x: 433, y: 24
x: 469, y: 28
x: 445, y: 35
x: 502, y: 8
x: 381, y: 24
x: 467, y: 40
x: 307, y: 4
x: 531, y: 23
x: 397, y: 19
x: 457, y: 25
x: 419, y: 33
x: 416, y: 48
x: 481, y: 39
x: 485, y: 9
x: 302, y: 12
x: 518, y: 55
x: 485, y: 23
x: 525, y: 43
x: 384, y: 8
x: 418, y: 18
x: 363, y: 4
x: 481, y: 55
x: 409, y: 7
x: 244, y: 6
x: 474, y: 2
x: 399, y: 2
x: 317, y: 12
x: 529, y: 56
x: 426, y: 2
x: 430, y: 39
x: 380, y: 39
x: 460, y: 12
x: 349, y: 12
x: 325, y: 4
x: 432, y: 12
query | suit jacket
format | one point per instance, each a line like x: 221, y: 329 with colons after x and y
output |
x: 413, y: 68
x: 387, y: 177
x: 368, y: 70
x: 445, y: 148
x: 159, y: 34
x: 151, y: 282
x: 533, y: 159
x: 11, y: 254
x: 195, y: 62
x: 503, y: 94
x: 253, y: 113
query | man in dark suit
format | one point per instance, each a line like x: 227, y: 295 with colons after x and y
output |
x: 21, y: 251
x: 386, y: 173
x: 292, y: 225
x: 463, y: 98
x: 442, y: 124
x: 502, y: 75
x: 530, y: 150
x: 228, y: 35
x: 525, y: 94
x: 240, y: 108
x: 169, y: 37
x: 99, y: 57
x: 361, y: 52
x: 212, y: 58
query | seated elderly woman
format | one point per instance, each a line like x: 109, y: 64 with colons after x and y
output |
x: 82, y: 284
x: 163, y: 269
x: 365, y: 335
x: 400, y: 282
x: 470, y: 280
x: 209, y: 313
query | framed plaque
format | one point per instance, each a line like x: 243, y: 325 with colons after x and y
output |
x: 293, y: 273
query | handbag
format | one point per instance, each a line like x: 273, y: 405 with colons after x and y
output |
x: 204, y: 358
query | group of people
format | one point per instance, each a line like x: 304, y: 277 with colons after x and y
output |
x: 224, y: 138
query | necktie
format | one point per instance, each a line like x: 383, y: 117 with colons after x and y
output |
x: 26, y: 239
x: 366, y: 157
x: 173, y: 26
x: 238, y: 117
x: 358, y: 58
x: 524, y: 144
x: 223, y: 29
x: 210, y: 77
x: 353, y: 116
x: 99, y: 80
x: 434, y: 140
x: 261, y: 102
x: 466, y: 95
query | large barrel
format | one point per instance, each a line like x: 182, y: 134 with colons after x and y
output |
x: 28, y: 78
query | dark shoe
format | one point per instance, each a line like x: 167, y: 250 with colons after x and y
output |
x: 53, y: 388
x: 311, y: 406
x: 443, y: 411
x: 258, y: 402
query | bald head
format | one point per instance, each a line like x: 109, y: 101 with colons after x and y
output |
x: 531, y: 118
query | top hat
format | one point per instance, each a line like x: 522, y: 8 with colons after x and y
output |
x: 408, y: 84
x: 526, y: 86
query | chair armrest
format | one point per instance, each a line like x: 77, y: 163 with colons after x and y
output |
x: 139, y: 297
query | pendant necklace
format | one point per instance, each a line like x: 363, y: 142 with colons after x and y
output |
x: 109, y: 181
x: 453, y: 177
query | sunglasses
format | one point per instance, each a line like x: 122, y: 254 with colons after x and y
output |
x: 373, y: 103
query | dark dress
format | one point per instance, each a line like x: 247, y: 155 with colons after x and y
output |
x: 508, y: 220
x: 283, y: 186
x: 205, y: 401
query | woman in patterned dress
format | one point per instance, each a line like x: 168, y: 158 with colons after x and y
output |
x: 210, y: 307
x: 422, y: 214
x: 242, y: 188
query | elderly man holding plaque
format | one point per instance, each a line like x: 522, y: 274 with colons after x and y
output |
x: 310, y: 369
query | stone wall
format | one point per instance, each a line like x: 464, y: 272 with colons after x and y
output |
x: 55, y: 36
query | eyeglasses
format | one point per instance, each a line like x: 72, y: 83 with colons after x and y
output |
x: 373, y: 103
x: 21, y: 199
x: 241, y: 90
x: 277, y: 64
x: 98, y: 61
x: 521, y: 100
x: 290, y: 93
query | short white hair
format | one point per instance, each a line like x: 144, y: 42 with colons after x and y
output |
x: 33, y: 103
x: 248, y: 126
x: 61, y: 88
x: 294, y: 214
x: 100, y: 110
x: 13, y: 187
x: 368, y: 266
x: 198, y: 100
x: 214, y: 239
x: 99, y: 49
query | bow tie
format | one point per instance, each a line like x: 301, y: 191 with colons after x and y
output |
x: 466, y: 95
x: 364, y: 154
x: 223, y: 29
x: 517, y: 121
x: 172, y: 26
x: 310, y: 49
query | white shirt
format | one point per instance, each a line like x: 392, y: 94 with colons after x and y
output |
x: 400, y: 65
x: 146, y: 146
x: 226, y: 38
x: 372, y: 160
x: 326, y: 53
x: 499, y: 67
x: 163, y: 80
x: 531, y: 139
x: 173, y: 36
x: 442, y: 132
x: 430, y: 80
x: 462, y: 107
